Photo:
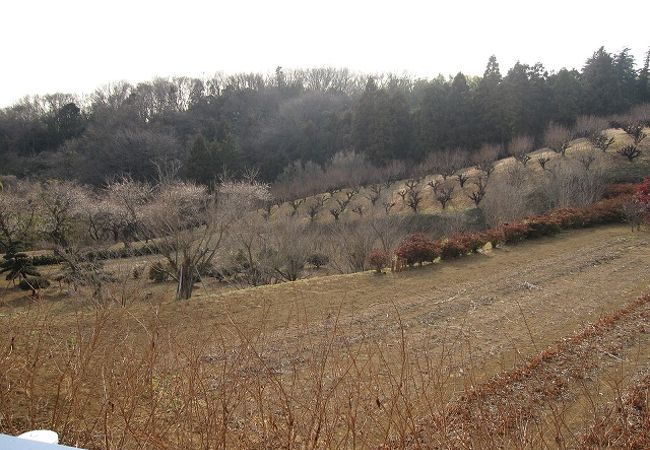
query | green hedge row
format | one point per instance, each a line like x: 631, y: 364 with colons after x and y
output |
x: 99, y: 255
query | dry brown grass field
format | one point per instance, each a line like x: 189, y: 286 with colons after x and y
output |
x: 479, y: 352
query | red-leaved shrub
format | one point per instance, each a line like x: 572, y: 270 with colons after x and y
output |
x: 508, y: 233
x: 541, y: 226
x: 642, y: 198
x: 617, y: 189
x: 452, y: 248
x: 462, y: 244
x: 417, y: 248
x: 378, y: 259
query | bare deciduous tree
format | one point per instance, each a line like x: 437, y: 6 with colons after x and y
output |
x: 315, y: 206
x: 388, y: 205
x: 587, y: 126
x: 354, y: 241
x: 411, y: 184
x: 59, y: 203
x: 600, y: 141
x: 125, y: 200
x: 289, y: 251
x: 267, y: 209
x: 520, y: 147
x: 485, y: 159
x: 435, y: 185
x: 635, y: 131
x: 631, y: 152
x: 374, y: 193
x: 18, y: 208
x: 414, y: 198
x: 295, y: 204
x: 558, y: 138
x: 388, y: 230
x: 586, y: 158
x: 571, y: 184
x: 477, y: 194
x: 445, y: 162
x: 505, y: 200
x: 191, y: 223
x: 343, y: 204
x: 542, y: 161
x: 462, y: 178
x: 445, y: 194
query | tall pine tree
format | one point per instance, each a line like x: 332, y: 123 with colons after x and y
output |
x: 600, y: 84
x: 492, y: 125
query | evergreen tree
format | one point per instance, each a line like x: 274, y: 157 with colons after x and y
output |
x: 17, y: 265
x: 461, y: 118
x: 492, y: 74
x: 199, y: 165
x: 492, y: 125
x: 525, y: 97
x: 566, y: 95
x: 626, y: 79
x: 431, y: 116
x: 601, y: 85
x: 643, y: 89
x: 381, y: 127
x: 206, y: 161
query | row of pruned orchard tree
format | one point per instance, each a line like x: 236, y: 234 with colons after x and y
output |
x: 184, y: 222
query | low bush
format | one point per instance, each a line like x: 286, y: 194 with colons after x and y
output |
x: 158, y: 273
x: 475, y: 241
x: 378, y: 260
x: 46, y: 260
x: 33, y: 284
x: 99, y: 255
x: 452, y: 248
x: 417, y: 249
x: 462, y: 244
x: 617, y: 189
x: 540, y: 227
x: 508, y: 233
x: 318, y: 260
x: 642, y: 198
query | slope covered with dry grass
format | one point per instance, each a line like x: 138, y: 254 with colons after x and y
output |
x: 333, y: 362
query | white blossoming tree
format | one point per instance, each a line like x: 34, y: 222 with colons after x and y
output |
x: 190, y: 224
x: 60, y: 206
x: 18, y: 215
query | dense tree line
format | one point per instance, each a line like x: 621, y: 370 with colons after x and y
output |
x: 226, y: 124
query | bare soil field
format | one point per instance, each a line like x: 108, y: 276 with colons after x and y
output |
x: 345, y: 361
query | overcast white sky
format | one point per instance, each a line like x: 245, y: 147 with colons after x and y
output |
x: 76, y: 45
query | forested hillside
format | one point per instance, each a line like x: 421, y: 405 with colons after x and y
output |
x: 201, y: 127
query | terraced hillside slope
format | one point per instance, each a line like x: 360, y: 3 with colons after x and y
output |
x: 349, y: 361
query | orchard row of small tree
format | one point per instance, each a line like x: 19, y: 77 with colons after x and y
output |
x: 187, y: 222
x: 69, y: 216
x: 354, y: 169
x: 446, y: 174
x: 418, y: 248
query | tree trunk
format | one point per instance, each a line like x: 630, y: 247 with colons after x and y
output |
x: 185, y: 282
